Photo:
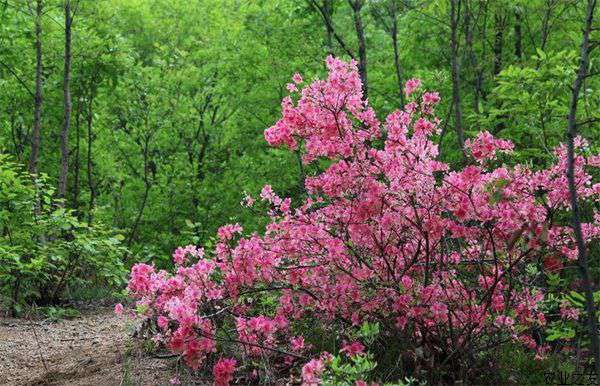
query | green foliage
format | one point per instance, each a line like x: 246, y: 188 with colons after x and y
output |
x: 44, y: 248
x: 170, y: 101
x: 513, y: 363
x: 58, y: 313
x: 171, y: 98
x: 567, y: 330
x: 346, y: 371
x: 530, y: 103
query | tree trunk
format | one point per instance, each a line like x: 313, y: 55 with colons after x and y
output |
x: 499, y: 26
x: 478, y: 81
x: 454, y: 14
x: 90, y: 163
x: 362, y: 46
x: 147, y: 186
x: 397, y: 65
x: 499, y: 22
x: 64, y: 134
x: 518, y: 35
x: 76, y: 162
x: 138, y: 218
x: 546, y: 23
x: 37, y: 112
x: 582, y: 259
x: 328, y: 12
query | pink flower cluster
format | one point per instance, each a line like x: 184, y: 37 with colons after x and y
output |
x: 223, y: 371
x: 352, y: 349
x: 181, y: 255
x: 411, y: 85
x: 387, y: 233
x: 485, y: 146
x: 568, y: 312
x: 313, y: 370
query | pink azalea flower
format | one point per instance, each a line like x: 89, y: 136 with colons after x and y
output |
x: 411, y: 85
x: 352, y: 349
x: 223, y: 371
x: 291, y: 87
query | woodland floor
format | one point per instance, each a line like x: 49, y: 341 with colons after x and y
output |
x: 95, y: 348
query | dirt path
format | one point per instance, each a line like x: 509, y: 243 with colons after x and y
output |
x: 94, y: 349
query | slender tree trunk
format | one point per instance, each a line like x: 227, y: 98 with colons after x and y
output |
x: 90, y: 162
x: 472, y: 56
x: 328, y: 13
x: 499, y: 26
x: 138, y: 218
x: 499, y: 22
x: 37, y: 112
x: 301, y: 173
x: 362, y: 45
x: 397, y: 65
x: 582, y: 258
x: 64, y: 134
x: 482, y: 38
x: 455, y: 67
x: 546, y: 24
x: 201, y: 156
x: 147, y: 186
x: 76, y: 162
x: 518, y: 35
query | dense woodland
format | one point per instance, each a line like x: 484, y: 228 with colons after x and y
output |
x: 131, y: 127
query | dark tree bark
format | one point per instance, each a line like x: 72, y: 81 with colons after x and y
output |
x: 356, y: 6
x: 582, y: 258
x: 478, y: 73
x: 37, y: 111
x: 328, y: 13
x: 499, y: 26
x: 455, y: 69
x: 518, y: 35
x: 480, y: 69
x: 64, y: 134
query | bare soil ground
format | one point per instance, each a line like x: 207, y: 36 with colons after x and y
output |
x: 93, y: 349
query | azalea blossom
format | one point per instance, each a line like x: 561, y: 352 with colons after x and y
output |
x: 223, y: 371
x: 352, y: 349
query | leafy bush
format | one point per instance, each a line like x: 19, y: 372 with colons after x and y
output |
x: 388, y: 234
x: 530, y: 103
x: 44, y: 248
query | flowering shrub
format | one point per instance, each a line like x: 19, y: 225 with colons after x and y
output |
x: 387, y: 234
